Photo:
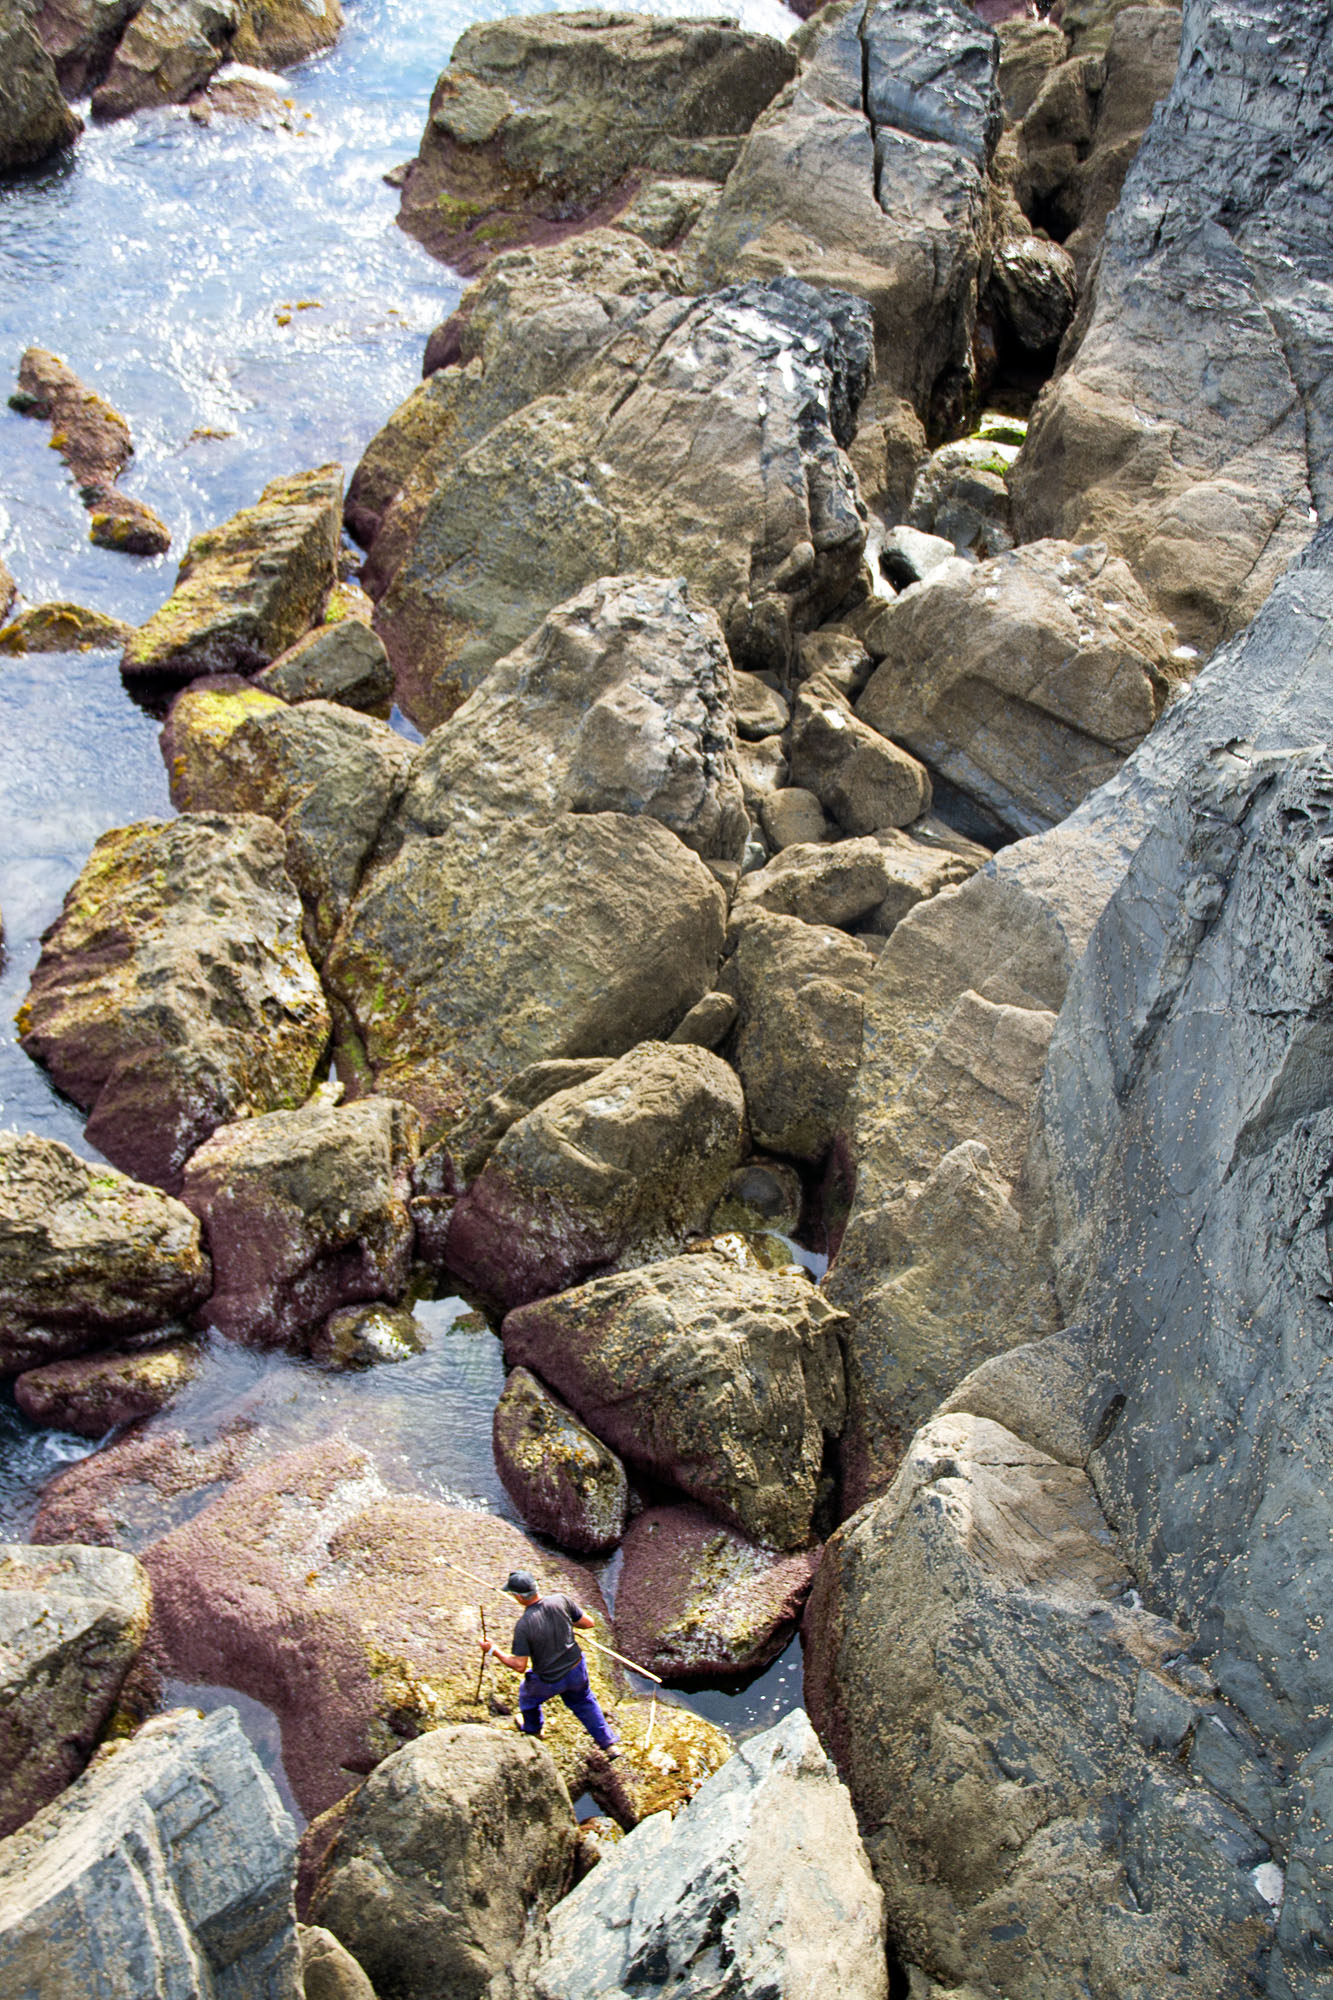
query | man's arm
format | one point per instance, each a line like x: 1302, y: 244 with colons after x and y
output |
x: 584, y: 1624
x: 516, y: 1662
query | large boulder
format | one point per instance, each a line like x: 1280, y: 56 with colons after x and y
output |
x: 869, y: 881
x: 696, y: 1601
x: 167, y: 50
x: 564, y: 1481
x: 327, y: 776
x: 760, y: 1886
x: 800, y: 993
x: 309, y: 1587
x: 166, y: 1869
x: 622, y: 700
x: 248, y: 589
x: 305, y: 1211
x: 1030, y: 1752
x: 342, y: 662
x: 174, y: 988
x: 619, y: 1169
x: 453, y: 1847
x: 869, y: 173
x: 738, y: 404
x: 471, y: 954
x: 86, y: 1255
x: 722, y: 1380
x: 844, y: 757
x: 519, y: 332
x: 72, y: 1621
x: 1024, y: 680
x: 1189, y: 427
x: 35, y: 120
x: 91, y: 1394
x: 539, y: 123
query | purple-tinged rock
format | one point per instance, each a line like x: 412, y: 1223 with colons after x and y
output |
x: 696, y: 1600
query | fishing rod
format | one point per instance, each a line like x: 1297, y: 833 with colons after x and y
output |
x: 610, y: 1651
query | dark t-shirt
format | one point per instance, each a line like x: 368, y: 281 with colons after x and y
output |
x: 545, y: 1636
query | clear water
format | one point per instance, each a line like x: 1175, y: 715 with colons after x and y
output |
x: 156, y: 259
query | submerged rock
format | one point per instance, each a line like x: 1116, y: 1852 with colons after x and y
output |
x: 739, y: 404
x: 174, y: 988
x: 72, y: 1621
x: 327, y: 776
x: 563, y: 1480
x: 63, y: 628
x: 696, y: 1600
x: 248, y: 589
x: 619, y: 1169
x: 1024, y: 680
x: 450, y: 1851
x: 538, y: 123
x: 168, y: 1865
x: 94, y: 441
x: 305, y: 1211
x: 86, y: 1255
x: 92, y: 1394
x: 724, y: 1381
x: 35, y: 120
x: 763, y: 1874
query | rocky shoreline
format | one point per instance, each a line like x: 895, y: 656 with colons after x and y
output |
x: 854, y: 567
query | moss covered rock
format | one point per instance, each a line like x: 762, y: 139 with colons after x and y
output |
x: 696, y: 1600
x: 174, y: 989
x: 91, y: 1394
x: 564, y: 1481
x: 63, y: 628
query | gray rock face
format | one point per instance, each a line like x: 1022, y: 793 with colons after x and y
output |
x: 1020, y: 1739
x: 616, y: 1170
x: 1024, y: 680
x: 759, y: 1886
x: 564, y: 1481
x: 868, y: 173
x: 343, y: 662
x: 723, y: 1380
x: 86, y: 1255
x: 166, y: 1869
x: 174, y: 988
x: 305, y: 1211
x: 80, y: 37
x: 452, y: 1847
x: 1214, y: 271
x: 34, y: 117
x: 72, y: 1621
x: 740, y: 403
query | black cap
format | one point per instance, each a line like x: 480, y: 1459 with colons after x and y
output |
x: 520, y: 1584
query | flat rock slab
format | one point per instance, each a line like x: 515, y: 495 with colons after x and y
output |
x: 724, y: 1381
x: 564, y: 1481
x: 167, y: 1869
x: 87, y: 1256
x: 764, y: 1872
x: 624, y: 1167
x: 537, y: 123
x: 248, y: 589
x: 72, y: 1621
x: 696, y: 1600
x: 306, y: 1211
x: 174, y: 988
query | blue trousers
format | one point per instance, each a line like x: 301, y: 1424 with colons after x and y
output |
x: 575, y: 1693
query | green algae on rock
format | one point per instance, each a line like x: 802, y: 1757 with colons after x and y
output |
x: 248, y: 589
x: 564, y: 1481
x: 174, y: 990
x: 63, y: 628
x: 91, y: 1394
x: 697, y: 1601
x: 94, y: 441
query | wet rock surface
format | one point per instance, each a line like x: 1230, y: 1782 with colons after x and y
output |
x: 87, y: 1256
x: 619, y: 1169
x: 453, y: 1848
x: 94, y: 441
x: 538, y: 123
x: 170, y: 1860
x: 563, y: 1480
x: 722, y: 1380
x: 696, y: 1600
x: 63, y: 628
x: 35, y: 120
x: 194, y: 923
x: 248, y: 589
x: 763, y: 1869
x: 305, y: 1211
x: 92, y: 1394
x: 72, y: 1621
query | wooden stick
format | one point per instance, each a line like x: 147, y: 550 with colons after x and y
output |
x: 481, y: 1665
x: 610, y: 1651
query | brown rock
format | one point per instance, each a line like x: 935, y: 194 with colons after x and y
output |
x: 859, y: 776
x: 63, y: 628
x: 35, y: 120
x: 564, y: 1481
x: 94, y: 441
x: 92, y: 1394
x: 696, y: 1600
x: 793, y: 817
x: 168, y: 49
x: 274, y: 34
x: 328, y: 1970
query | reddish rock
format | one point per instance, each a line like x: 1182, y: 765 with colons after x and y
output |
x: 91, y: 1394
x: 305, y: 1211
x: 139, y: 1487
x: 696, y: 1599
x: 94, y: 441
x: 564, y: 1481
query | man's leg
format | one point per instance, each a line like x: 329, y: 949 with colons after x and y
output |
x: 529, y: 1707
x: 578, y: 1696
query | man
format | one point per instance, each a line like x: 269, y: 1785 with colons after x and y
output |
x: 548, y: 1657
